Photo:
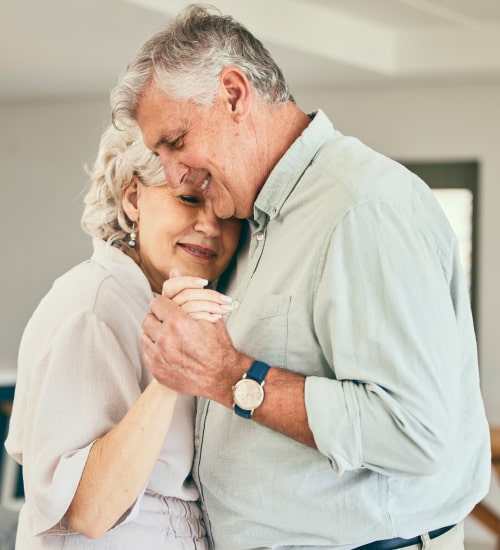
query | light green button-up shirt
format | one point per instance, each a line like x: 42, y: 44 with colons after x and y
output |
x: 352, y: 278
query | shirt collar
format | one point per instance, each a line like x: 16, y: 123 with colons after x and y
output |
x: 291, y: 166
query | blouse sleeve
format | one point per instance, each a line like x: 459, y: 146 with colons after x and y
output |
x: 77, y: 389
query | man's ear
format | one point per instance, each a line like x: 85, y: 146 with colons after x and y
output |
x: 236, y: 91
x: 130, y: 199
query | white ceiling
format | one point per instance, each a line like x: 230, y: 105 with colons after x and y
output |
x: 59, y: 49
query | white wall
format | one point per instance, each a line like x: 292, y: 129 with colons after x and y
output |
x: 43, y: 148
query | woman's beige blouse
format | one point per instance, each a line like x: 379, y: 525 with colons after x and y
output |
x: 79, y: 372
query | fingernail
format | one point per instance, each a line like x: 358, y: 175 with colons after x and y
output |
x: 227, y: 299
x: 214, y: 318
x: 201, y: 282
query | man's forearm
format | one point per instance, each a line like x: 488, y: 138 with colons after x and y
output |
x: 283, y: 409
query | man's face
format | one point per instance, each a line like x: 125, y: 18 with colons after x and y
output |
x: 200, y: 146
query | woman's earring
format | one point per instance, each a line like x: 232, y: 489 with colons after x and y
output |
x: 133, y: 235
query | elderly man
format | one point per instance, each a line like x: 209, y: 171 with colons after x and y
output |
x: 341, y: 407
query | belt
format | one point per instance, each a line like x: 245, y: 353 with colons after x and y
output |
x: 392, y: 544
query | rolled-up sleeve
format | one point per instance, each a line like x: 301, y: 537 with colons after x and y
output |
x: 386, y: 324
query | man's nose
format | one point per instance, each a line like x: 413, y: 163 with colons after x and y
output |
x: 175, y: 172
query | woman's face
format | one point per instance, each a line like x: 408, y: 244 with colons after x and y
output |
x: 177, y: 229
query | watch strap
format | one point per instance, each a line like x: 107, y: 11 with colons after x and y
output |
x: 242, y: 412
x: 258, y: 371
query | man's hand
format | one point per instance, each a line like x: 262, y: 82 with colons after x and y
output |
x: 189, y: 355
x: 195, y: 357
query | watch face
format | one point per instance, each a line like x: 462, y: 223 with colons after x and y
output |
x: 248, y: 394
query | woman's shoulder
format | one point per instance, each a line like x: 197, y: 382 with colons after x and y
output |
x: 79, y: 287
x: 89, y: 288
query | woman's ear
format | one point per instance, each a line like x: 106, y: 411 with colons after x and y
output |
x: 236, y: 91
x: 130, y: 199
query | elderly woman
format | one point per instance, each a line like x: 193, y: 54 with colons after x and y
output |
x: 106, y: 450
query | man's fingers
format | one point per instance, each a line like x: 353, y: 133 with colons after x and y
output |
x: 161, y: 307
x: 151, y: 326
x: 146, y: 342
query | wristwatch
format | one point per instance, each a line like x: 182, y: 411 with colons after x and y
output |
x: 248, y: 393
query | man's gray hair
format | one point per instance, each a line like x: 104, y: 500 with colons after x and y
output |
x: 186, y: 58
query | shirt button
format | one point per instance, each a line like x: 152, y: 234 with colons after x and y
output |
x: 196, y: 442
x: 235, y: 304
x: 260, y: 236
x: 203, y: 507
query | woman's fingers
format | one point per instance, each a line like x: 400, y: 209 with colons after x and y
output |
x: 205, y: 306
x: 175, y: 285
x: 201, y: 295
x: 210, y: 317
x: 189, y: 293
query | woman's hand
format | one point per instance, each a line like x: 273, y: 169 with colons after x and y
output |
x: 199, y: 302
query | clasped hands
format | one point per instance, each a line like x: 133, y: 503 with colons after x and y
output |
x: 185, y: 341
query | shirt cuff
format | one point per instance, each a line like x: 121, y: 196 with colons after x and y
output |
x: 333, y: 416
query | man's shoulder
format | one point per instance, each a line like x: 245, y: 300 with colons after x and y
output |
x: 362, y: 172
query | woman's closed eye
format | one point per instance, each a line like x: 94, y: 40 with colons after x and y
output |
x: 189, y: 199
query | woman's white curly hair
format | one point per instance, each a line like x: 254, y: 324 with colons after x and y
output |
x: 122, y: 155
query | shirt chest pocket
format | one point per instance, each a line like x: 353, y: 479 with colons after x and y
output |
x: 261, y: 328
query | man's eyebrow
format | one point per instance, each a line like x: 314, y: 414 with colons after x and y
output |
x: 169, y: 138
x: 165, y: 139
